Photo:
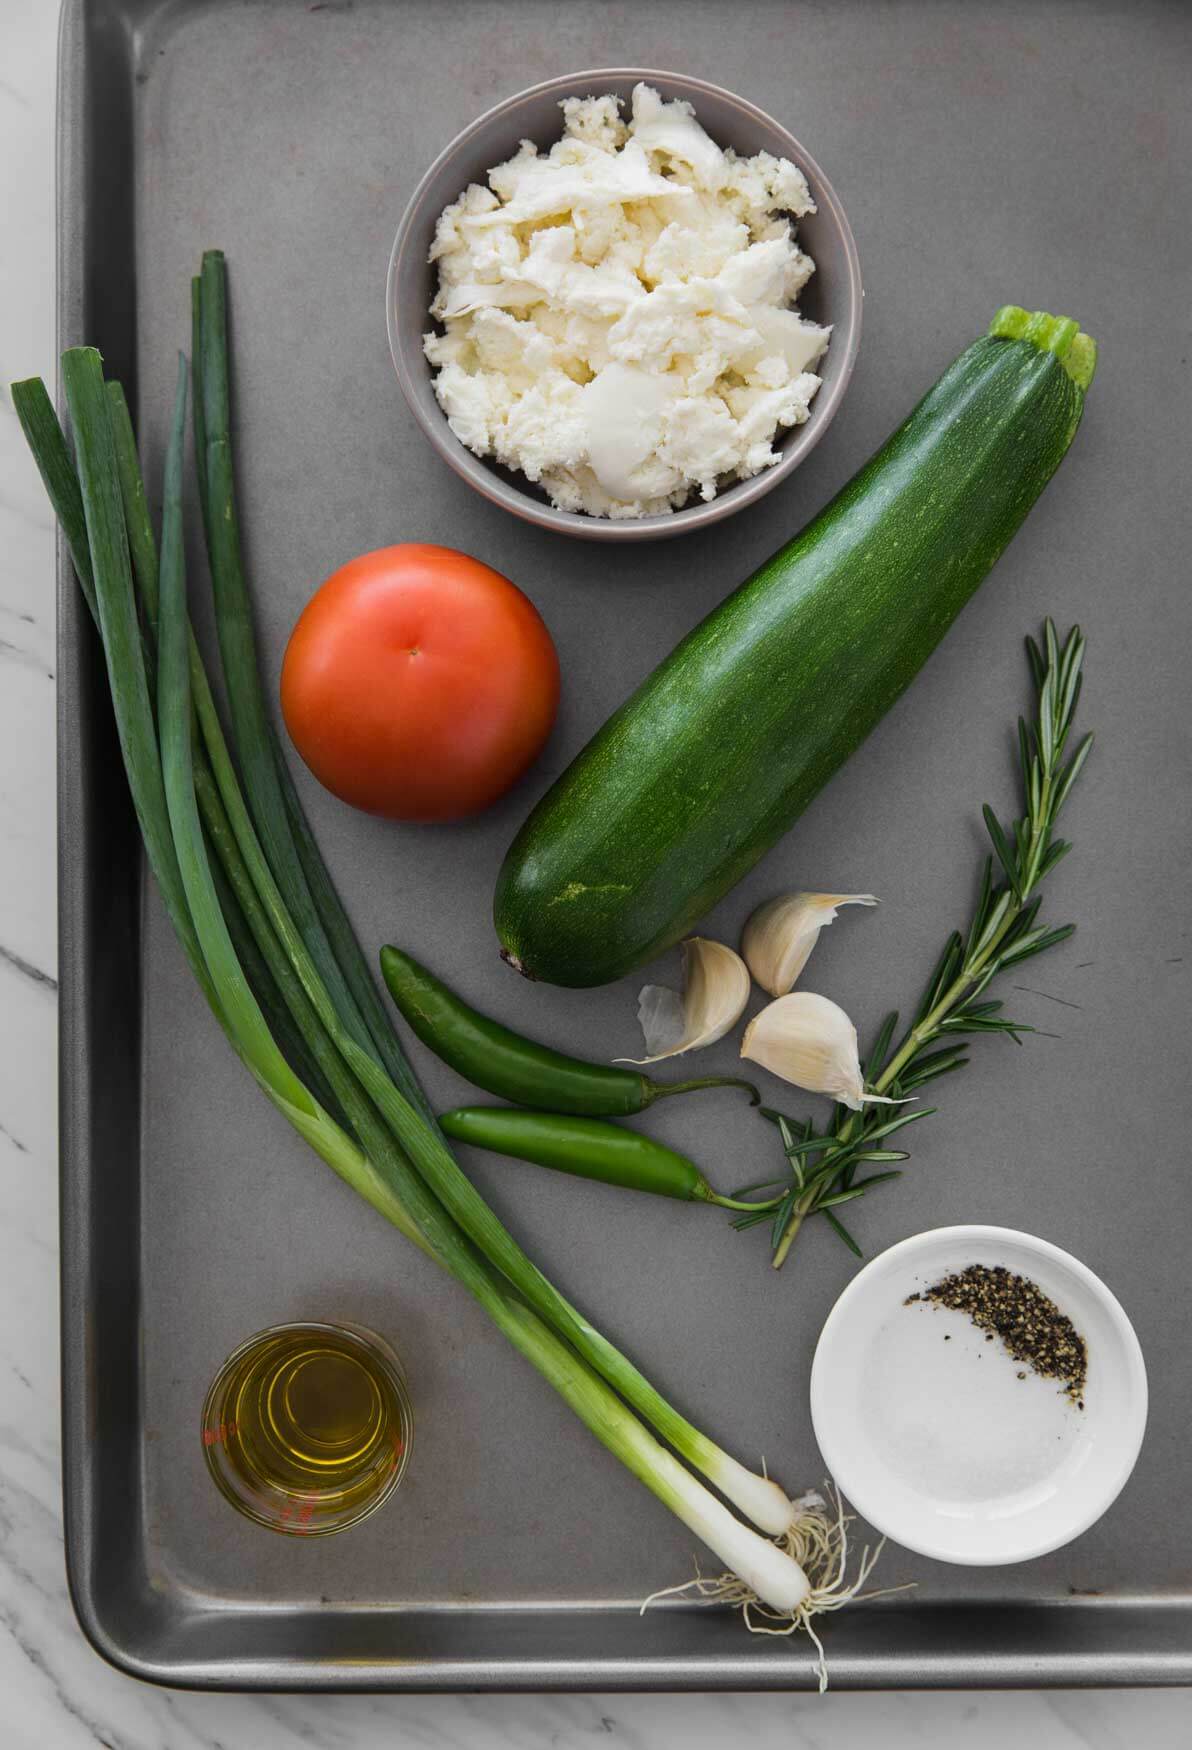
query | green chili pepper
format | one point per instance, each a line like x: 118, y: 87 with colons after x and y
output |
x: 500, y: 1061
x: 589, y: 1147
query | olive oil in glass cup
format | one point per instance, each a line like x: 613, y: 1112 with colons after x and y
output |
x: 307, y: 1427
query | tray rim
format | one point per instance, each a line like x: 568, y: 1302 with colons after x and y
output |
x: 160, y: 1638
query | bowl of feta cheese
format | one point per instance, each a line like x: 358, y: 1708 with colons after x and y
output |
x: 624, y: 304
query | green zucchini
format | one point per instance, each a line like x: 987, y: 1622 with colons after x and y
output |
x: 725, y: 744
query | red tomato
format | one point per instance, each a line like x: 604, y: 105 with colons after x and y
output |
x: 419, y: 683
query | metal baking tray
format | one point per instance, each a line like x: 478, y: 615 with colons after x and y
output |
x: 1032, y: 154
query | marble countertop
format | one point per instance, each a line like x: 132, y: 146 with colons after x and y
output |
x: 56, y: 1692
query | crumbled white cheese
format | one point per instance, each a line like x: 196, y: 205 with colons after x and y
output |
x: 618, y: 315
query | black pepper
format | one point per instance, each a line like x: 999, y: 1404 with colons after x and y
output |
x: 1030, y: 1325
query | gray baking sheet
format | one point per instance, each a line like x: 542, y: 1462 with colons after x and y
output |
x: 1029, y: 153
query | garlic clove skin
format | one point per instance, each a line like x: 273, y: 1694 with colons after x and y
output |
x: 809, y: 1040
x: 712, y: 1000
x: 777, y: 940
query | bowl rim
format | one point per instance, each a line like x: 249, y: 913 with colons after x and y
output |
x: 847, y: 328
x: 983, y: 1233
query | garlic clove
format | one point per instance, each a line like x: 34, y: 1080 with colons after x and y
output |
x: 810, y: 1041
x: 779, y: 936
x: 712, y: 1000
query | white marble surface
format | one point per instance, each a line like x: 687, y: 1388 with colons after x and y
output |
x: 55, y: 1692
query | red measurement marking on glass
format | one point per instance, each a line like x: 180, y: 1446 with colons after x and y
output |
x: 300, y: 1514
x: 399, y: 1446
x: 219, y: 1436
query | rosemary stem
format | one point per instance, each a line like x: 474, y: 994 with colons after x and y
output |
x: 928, y: 1027
x: 1002, y: 933
x: 1039, y: 839
x: 788, y: 1237
x: 971, y: 972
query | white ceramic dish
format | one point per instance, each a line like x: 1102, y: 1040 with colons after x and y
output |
x: 939, y: 1443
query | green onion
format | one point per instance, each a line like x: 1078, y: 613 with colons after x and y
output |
x: 173, y: 710
x: 169, y: 793
x: 276, y: 876
x: 141, y: 545
x: 82, y: 376
x: 200, y: 424
x: 44, y: 436
x: 344, y: 946
x: 237, y: 641
x: 306, y: 884
x: 761, y: 1564
x: 130, y: 696
x: 279, y: 951
x: 261, y: 982
x: 48, y: 444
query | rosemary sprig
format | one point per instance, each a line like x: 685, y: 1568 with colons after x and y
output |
x: 1004, y: 931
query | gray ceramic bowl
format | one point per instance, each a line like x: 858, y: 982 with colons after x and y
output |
x: 832, y: 296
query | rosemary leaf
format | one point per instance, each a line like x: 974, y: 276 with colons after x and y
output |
x: 841, y: 1197
x: 1057, y: 850
x: 1037, y: 942
x: 1071, y: 772
x: 932, y: 1063
x: 1035, y: 658
x: 1004, y: 854
x: 845, y: 1235
x: 981, y: 911
x: 890, y: 1125
x: 881, y: 1045
x: 810, y: 1145
x: 782, y: 1217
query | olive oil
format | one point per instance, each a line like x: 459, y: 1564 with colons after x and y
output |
x: 307, y: 1427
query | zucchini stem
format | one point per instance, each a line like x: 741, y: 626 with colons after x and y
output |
x: 1075, y: 350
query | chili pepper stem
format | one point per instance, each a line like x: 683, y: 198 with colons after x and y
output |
x: 705, y: 1194
x: 661, y: 1090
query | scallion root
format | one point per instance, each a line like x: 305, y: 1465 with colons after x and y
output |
x: 817, y: 1538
